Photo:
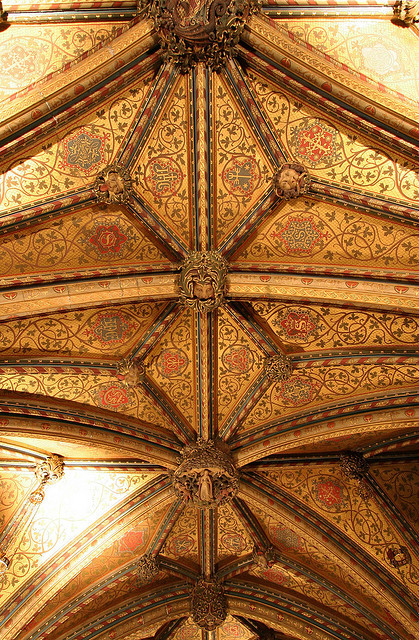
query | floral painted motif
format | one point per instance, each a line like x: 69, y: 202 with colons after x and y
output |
x: 110, y: 328
x: 131, y: 541
x: 298, y: 324
x: 83, y: 150
x: 172, y: 362
x: 329, y: 493
x: 300, y: 235
x: 241, y: 176
x: 297, y: 391
x: 108, y: 239
x: 233, y: 542
x: 315, y: 142
x: 237, y: 359
x: 165, y: 177
x: 285, y: 537
x: 113, y: 396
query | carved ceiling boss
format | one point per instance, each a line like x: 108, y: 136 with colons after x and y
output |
x: 291, y: 180
x: 202, y: 280
x: 113, y: 184
x: 206, y: 475
x: 200, y: 30
x: 209, y: 606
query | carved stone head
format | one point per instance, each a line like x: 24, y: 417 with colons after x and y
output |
x: 113, y: 184
x: 202, y: 280
x: 291, y: 180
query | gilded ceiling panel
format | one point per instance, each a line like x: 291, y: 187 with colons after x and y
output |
x: 353, y: 441
x: 282, y: 577
x: 172, y: 367
x: 374, y: 47
x: 71, y: 158
x: 401, y: 484
x: 162, y: 172
x: 92, y: 237
x: 88, y: 589
x: 30, y: 52
x: 14, y: 486
x: 325, y: 491
x: 233, y: 539
x: 189, y: 630
x: 183, y: 541
x: 102, y: 390
x: 337, y: 384
x: 241, y: 166
x: 105, y: 333
x: 240, y: 361
x: 316, y: 328
x: 330, y: 236
x: 305, y: 550
x: 332, y: 153
x: 232, y: 628
x: 70, y: 507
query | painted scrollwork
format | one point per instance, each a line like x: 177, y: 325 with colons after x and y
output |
x: 113, y: 184
x: 278, y: 368
x: 206, y: 475
x: 209, y: 605
x: 202, y: 280
x: 202, y: 30
x: 291, y: 180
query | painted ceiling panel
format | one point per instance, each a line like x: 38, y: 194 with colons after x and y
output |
x: 31, y: 52
x: 58, y: 522
x: 281, y: 383
x: 108, y: 333
x: 330, y: 236
x: 243, y: 166
x: 332, y: 152
x: 322, y: 385
x: 400, y: 483
x: 182, y: 543
x: 313, y: 328
x: 370, y: 46
x: 90, y: 238
x: 337, y: 500
x: 71, y: 158
x: 240, y: 361
x: 171, y: 365
x: 162, y: 171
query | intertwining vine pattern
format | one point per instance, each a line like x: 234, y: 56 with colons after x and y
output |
x: 332, y: 236
x: 84, y: 239
x: 317, y: 327
x: 71, y: 159
x: 162, y: 172
x: 331, y: 494
x: 339, y: 156
x: 329, y: 384
x: 242, y: 167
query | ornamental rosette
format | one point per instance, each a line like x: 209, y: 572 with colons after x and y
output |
x: 278, y: 368
x: 202, y: 280
x: 206, y: 475
x: 209, y: 605
x: 200, y: 31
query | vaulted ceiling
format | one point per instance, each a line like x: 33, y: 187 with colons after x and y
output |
x: 327, y: 279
